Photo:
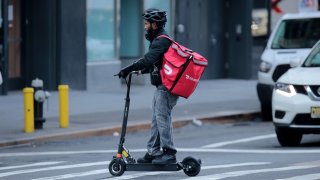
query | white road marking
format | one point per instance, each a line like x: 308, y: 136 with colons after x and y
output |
x: 304, y: 177
x: 131, y: 176
x: 220, y: 144
x: 30, y: 165
x: 235, y: 165
x: 73, y: 175
x: 53, y: 168
x: 52, y: 153
x: 57, y: 153
x: 104, y: 171
x: 257, y: 151
x: 141, y: 175
x: 100, y: 171
x: 211, y: 177
x: 247, y: 172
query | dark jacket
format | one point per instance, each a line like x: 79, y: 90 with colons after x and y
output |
x: 153, y: 58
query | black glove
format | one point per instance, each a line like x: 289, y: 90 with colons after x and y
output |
x: 125, y: 71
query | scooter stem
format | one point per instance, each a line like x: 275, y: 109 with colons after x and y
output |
x: 125, y: 116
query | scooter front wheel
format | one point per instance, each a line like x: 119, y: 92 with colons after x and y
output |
x: 191, y: 166
x: 117, y: 169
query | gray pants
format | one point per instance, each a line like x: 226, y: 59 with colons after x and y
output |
x: 161, y: 126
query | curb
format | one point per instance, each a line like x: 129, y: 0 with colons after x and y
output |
x: 177, y: 123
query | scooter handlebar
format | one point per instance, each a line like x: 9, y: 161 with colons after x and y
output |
x: 133, y: 72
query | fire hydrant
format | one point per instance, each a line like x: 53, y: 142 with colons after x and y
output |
x: 39, y: 97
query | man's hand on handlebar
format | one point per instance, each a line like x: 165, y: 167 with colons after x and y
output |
x: 121, y: 75
x: 124, y: 72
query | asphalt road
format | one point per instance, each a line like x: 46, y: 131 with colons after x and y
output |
x: 245, y: 150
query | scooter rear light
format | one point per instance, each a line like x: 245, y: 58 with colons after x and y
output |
x: 119, y: 156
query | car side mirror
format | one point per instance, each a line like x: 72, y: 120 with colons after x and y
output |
x: 295, y: 62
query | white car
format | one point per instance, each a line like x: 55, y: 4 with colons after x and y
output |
x: 296, y: 100
x: 292, y: 38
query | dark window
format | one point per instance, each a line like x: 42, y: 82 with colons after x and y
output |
x: 297, y: 33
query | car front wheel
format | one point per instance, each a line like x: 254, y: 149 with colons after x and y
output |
x: 288, y: 138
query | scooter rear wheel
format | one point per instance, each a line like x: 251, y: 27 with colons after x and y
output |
x: 192, y: 166
x: 117, y: 169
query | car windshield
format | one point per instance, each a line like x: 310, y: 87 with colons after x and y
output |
x: 313, y: 60
x: 297, y: 33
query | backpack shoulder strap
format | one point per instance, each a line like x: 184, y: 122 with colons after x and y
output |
x: 176, y: 43
x: 165, y: 36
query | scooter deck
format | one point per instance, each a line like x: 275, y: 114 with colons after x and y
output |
x: 153, y: 167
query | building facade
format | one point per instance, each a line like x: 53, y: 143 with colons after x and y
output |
x: 83, y: 43
x: 43, y: 39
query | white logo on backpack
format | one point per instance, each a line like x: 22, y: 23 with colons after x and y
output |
x: 191, y: 78
x: 167, y: 69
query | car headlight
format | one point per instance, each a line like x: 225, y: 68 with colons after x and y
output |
x: 285, y: 89
x: 265, y: 66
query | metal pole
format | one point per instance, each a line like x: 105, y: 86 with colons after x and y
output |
x: 4, y: 57
x: 64, y: 105
x: 269, y: 18
x: 28, y: 110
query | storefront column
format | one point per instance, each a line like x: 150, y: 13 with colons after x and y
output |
x: 4, y: 49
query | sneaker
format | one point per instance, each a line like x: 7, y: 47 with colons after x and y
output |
x: 165, y: 159
x: 147, y: 158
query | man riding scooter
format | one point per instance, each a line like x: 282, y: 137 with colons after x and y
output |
x: 160, y: 147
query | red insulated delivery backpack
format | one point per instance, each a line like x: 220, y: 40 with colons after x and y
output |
x: 181, y: 69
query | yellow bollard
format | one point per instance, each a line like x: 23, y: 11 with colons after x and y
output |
x: 28, y: 110
x: 64, y: 106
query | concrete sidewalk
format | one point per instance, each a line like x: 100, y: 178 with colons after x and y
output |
x: 94, y: 113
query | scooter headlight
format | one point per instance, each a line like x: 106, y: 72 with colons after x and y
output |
x: 285, y: 89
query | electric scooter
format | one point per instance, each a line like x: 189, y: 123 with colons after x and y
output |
x: 123, y: 161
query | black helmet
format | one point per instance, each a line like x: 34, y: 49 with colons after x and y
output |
x: 155, y: 15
